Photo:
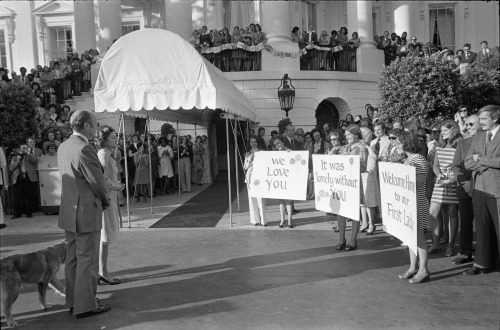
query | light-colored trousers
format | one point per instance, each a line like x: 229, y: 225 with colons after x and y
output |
x: 257, y: 208
x: 185, y: 173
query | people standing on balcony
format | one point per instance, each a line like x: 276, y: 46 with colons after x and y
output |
x: 324, y: 41
x: 194, y: 40
x: 312, y: 36
x: 238, y: 54
x: 354, y: 42
x: 205, y: 38
x: 342, y: 37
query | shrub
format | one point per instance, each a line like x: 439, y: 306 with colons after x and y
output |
x: 17, y: 110
x: 283, y: 123
x: 419, y: 87
x: 167, y: 129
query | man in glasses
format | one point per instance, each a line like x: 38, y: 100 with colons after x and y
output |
x: 460, y: 118
x: 468, y: 56
x: 464, y: 192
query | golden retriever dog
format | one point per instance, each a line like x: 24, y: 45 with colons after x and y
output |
x: 39, y: 267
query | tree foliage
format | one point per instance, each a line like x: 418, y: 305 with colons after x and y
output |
x: 167, y: 129
x: 419, y: 87
x: 17, y: 113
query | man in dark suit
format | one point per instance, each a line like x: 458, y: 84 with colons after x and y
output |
x: 312, y: 36
x: 485, y: 51
x: 464, y: 192
x: 483, y: 158
x: 261, y: 144
x: 292, y: 144
x: 83, y: 198
x: 24, y: 178
x: 468, y: 56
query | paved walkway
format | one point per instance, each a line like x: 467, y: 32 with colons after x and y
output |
x: 258, y: 278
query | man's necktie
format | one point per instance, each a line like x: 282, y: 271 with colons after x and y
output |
x: 377, y: 147
x: 31, y: 151
x: 489, y: 138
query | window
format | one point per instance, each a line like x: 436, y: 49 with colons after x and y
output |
x: 3, y: 49
x: 442, y: 26
x: 130, y: 27
x: 61, y: 42
x: 308, y: 16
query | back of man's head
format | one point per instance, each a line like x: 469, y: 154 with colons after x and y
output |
x: 79, y: 118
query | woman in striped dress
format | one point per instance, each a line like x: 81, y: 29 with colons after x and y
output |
x: 444, y: 195
x: 412, y: 148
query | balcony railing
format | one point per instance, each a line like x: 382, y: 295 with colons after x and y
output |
x: 326, y: 60
x: 232, y: 60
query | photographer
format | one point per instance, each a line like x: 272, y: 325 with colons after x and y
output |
x: 24, y: 177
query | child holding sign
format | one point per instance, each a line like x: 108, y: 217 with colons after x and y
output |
x: 284, y: 203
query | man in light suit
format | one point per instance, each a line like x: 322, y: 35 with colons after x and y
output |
x: 464, y: 191
x: 483, y: 158
x: 24, y: 178
x: 381, y: 143
x: 83, y: 198
x: 485, y: 51
x: 468, y: 56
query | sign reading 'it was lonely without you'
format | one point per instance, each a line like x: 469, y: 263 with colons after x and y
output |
x: 279, y: 175
x: 337, y: 184
x: 398, y: 192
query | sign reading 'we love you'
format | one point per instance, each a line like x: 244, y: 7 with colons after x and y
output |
x: 279, y: 175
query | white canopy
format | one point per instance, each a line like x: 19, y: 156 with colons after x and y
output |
x: 155, y: 69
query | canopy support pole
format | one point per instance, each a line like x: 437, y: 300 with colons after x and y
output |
x: 195, y: 132
x: 236, y: 154
x: 117, y: 149
x: 178, y: 159
x: 126, y: 169
x: 229, y: 174
x: 150, y: 164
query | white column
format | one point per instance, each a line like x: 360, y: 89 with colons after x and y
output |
x: 276, y: 25
x: 85, y: 33
x: 108, y: 23
x: 179, y: 17
x: 402, y: 18
x: 369, y: 59
x: 25, y: 46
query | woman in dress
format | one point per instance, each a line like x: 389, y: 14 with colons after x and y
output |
x: 286, y: 205
x: 324, y: 41
x: 371, y: 189
x: 444, y: 195
x: 165, y: 170
x: 198, y: 164
x: 354, y: 147
x: 349, y: 119
x: 354, y: 42
x: 110, y: 216
x: 256, y: 205
x: 342, y: 39
x: 394, y: 152
x: 418, y: 271
x: 141, y: 182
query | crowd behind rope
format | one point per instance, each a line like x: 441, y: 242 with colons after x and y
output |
x: 450, y: 160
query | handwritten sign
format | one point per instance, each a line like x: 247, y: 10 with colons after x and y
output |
x: 337, y: 184
x: 280, y: 175
x: 398, y: 192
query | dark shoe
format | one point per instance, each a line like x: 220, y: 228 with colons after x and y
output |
x: 2, y: 225
x: 122, y: 205
x: 433, y: 250
x: 363, y: 230
x: 294, y: 211
x: 340, y: 246
x: 137, y: 200
x: 105, y: 281
x: 264, y: 225
x: 475, y: 271
x: 408, y: 274
x: 257, y: 224
x: 335, y: 230
x: 420, y: 278
x: 460, y: 260
x: 349, y: 247
x: 99, y: 310
x: 281, y: 226
x: 371, y: 232
x: 290, y: 226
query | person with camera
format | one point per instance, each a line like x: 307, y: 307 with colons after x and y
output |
x: 24, y: 177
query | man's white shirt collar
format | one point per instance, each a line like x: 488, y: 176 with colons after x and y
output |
x: 81, y: 135
x: 493, y: 132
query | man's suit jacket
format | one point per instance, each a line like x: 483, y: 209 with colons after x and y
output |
x: 384, y: 144
x: 261, y: 144
x: 295, y: 146
x: 31, y: 166
x: 487, y: 169
x: 481, y: 56
x: 461, y: 173
x: 472, y: 58
x: 84, y: 192
x: 313, y: 37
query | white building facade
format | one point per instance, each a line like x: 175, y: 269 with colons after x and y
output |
x: 36, y: 32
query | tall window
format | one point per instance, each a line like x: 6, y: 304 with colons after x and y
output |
x: 308, y: 15
x: 3, y: 50
x: 61, y: 42
x: 442, y: 26
x: 130, y: 27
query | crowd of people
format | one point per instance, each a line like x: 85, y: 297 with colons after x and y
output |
x: 456, y: 161
x: 395, y: 46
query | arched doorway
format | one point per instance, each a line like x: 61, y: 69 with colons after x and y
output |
x: 327, y: 113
